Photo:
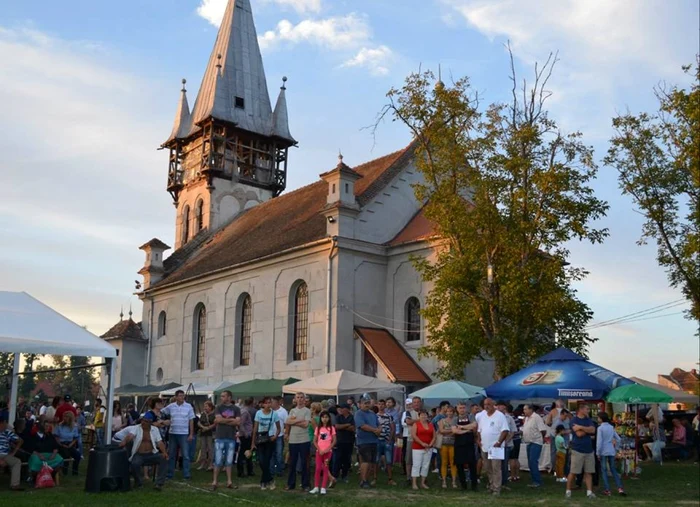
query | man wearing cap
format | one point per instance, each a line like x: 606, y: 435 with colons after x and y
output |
x: 345, y: 441
x: 146, y: 442
x: 368, y: 432
x: 411, y: 417
x: 65, y: 406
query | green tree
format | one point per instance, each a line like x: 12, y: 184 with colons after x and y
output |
x: 28, y: 382
x: 507, y: 191
x: 657, y: 157
x: 80, y: 381
x: 7, y: 361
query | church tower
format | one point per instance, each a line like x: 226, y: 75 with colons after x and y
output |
x: 230, y: 152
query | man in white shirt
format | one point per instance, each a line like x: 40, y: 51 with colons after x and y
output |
x: 181, y: 433
x: 534, y: 433
x: 277, y: 461
x: 493, y: 432
x: 146, y: 442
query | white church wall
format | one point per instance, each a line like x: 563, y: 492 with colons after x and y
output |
x: 269, y: 287
x: 384, y: 217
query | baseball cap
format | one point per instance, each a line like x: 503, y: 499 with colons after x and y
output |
x: 149, y: 417
x: 365, y: 397
x: 67, y: 398
x: 409, y: 400
x: 344, y: 405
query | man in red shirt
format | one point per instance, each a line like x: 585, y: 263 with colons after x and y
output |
x: 65, y: 406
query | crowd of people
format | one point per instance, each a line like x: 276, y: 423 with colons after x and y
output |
x: 469, y: 446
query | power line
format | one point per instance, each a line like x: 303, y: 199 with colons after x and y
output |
x: 641, y: 313
x: 654, y: 317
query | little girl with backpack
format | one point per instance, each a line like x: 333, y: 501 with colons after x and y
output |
x: 324, y: 441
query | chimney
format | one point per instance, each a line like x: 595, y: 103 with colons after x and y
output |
x: 153, y: 269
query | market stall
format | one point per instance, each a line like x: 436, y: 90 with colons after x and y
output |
x: 560, y: 374
x: 257, y: 388
x: 342, y: 383
x: 628, y: 428
x: 453, y: 391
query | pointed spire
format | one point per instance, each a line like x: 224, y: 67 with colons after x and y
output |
x: 130, y: 312
x: 121, y: 313
x: 234, y: 88
x: 182, y: 124
x: 280, y: 120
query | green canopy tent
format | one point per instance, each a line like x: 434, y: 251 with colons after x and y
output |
x: 134, y: 390
x: 257, y: 388
x: 636, y: 394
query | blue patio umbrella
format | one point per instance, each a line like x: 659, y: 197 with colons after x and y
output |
x: 450, y: 390
x: 559, y: 374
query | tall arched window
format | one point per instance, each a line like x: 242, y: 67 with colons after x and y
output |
x: 199, y: 216
x: 162, y: 324
x: 300, y: 343
x: 185, y: 224
x: 200, y: 335
x: 412, y: 319
x: 245, y: 324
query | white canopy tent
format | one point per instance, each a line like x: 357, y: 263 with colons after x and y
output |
x: 28, y: 326
x: 198, y: 389
x: 341, y: 383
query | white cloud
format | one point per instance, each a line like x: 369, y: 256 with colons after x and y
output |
x: 213, y: 10
x: 342, y: 32
x: 598, y: 32
x: 374, y: 59
x: 604, y: 48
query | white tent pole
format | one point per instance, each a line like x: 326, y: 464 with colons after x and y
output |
x: 110, y: 400
x: 13, y: 392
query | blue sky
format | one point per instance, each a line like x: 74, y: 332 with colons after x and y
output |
x: 89, y: 89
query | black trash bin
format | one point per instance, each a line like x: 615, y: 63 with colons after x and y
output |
x: 107, y: 470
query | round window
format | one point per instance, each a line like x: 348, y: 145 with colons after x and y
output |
x: 159, y: 374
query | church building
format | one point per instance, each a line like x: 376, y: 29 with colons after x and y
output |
x: 263, y: 283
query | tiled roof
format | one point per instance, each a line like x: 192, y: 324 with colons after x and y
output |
x: 288, y: 221
x: 125, y: 330
x: 688, y: 380
x: 418, y: 228
x: 388, y: 352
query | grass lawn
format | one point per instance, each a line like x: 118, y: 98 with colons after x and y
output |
x: 670, y: 484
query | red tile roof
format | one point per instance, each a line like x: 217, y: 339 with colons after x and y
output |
x: 687, y: 380
x: 388, y: 352
x: 291, y: 220
x: 125, y: 330
x: 418, y: 228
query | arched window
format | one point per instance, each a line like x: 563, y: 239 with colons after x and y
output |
x: 244, y: 323
x: 159, y: 375
x: 300, y: 342
x: 412, y: 316
x: 199, y: 216
x: 199, y: 338
x: 185, y: 224
x: 162, y: 323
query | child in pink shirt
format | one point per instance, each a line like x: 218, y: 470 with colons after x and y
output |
x: 324, y: 441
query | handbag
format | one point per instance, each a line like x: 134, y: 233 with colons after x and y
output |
x: 44, y: 479
x: 438, y: 436
x: 263, y: 437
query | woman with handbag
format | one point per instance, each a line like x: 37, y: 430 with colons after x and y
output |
x: 206, y: 437
x: 266, y: 427
x: 44, y: 450
x: 446, y: 443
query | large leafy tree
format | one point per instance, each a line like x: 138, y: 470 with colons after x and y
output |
x: 507, y: 191
x: 657, y: 157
